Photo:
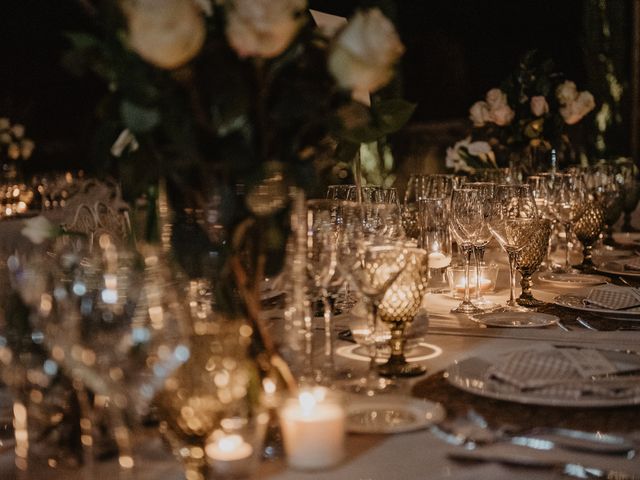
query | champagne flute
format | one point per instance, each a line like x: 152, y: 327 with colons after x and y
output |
x: 512, y: 220
x: 568, y: 195
x: 467, y: 221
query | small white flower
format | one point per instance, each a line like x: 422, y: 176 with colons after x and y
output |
x: 575, y: 111
x: 539, y: 105
x: 479, y: 113
x: 566, y: 92
x: 364, y: 53
x: 38, y: 229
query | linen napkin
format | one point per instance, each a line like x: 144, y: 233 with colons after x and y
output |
x: 632, y: 264
x: 613, y: 297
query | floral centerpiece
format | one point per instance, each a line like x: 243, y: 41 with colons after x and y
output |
x: 229, y: 104
x: 535, y: 111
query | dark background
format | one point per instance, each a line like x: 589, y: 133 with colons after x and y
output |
x: 456, y: 51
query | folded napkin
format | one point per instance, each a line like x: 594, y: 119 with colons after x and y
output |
x: 562, y: 373
x: 632, y: 263
x: 613, y: 297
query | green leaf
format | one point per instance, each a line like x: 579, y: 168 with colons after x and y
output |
x: 139, y: 119
x: 82, y: 40
x: 393, y: 113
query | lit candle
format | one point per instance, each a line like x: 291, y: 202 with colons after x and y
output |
x: 229, y: 455
x: 439, y: 260
x: 313, y: 428
x: 485, y: 285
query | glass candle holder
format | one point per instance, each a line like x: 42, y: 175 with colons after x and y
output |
x: 234, y: 450
x: 456, y: 278
x: 313, y: 429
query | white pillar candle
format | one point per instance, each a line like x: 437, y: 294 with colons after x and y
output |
x: 313, y: 430
x: 229, y: 455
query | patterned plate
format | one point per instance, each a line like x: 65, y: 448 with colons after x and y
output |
x: 576, y: 302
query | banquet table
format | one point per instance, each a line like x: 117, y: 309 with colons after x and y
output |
x: 422, y: 454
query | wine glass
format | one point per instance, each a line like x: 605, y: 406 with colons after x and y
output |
x: 371, y: 262
x: 567, y: 198
x: 512, y: 221
x: 630, y: 192
x: 323, y: 219
x: 587, y: 228
x: 486, y: 191
x: 115, y: 322
x: 399, y: 306
x: 602, y: 182
x: 340, y: 192
x: 467, y: 221
x: 529, y: 259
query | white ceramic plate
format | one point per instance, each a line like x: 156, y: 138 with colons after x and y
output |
x: 573, y: 279
x: 516, y: 319
x: 616, y: 268
x: 470, y: 375
x: 576, y: 302
x: 391, y: 414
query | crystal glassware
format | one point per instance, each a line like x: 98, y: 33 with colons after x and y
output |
x: 587, y: 227
x: 529, y: 259
x: 467, y: 222
x: 630, y: 192
x: 398, y: 308
x: 435, y: 238
x: 512, y: 221
x: 567, y: 198
x: 486, y: 191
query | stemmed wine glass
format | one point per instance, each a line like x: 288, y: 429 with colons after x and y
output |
x: 467, y: 221
x: 512, y: 220
x: 568, y: 195
x: 371, y: 262
x: 486, y: 191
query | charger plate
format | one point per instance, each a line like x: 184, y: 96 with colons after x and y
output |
x: 516, y: 319
x: 572, y: 279
x: 576, y: 302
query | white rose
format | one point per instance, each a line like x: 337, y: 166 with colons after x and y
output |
x: 363, y: 54
x: 501, y: 115
x: 566, y: 92
x: 539, y: 105
x: 166, y: 33
x: 263, y: 28
x: 586, y: 102
x: 38, y: 229
x: 496, y: 98
x: 479, y: 113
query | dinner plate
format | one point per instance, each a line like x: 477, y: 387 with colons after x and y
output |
x: 516, y: 319
x: 573, y: 279
x: 616, y: 268
x: 576, y: 302
x: 472, y: 375
x: 391, y: 414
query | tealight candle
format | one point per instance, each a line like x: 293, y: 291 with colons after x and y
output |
x: 313, y: 430
x: 229, y: 455
x: 485, y: 285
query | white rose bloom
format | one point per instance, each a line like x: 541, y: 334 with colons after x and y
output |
x: 166, y: 33
x: 38, y: 229
x: 479, y: 113
x: 566, y: 92
x: 539, y: 105
x: 501, y: 115
x: 586, y: 102
x: 496, y: 98
x: 263, y: 28
x: 364, y: 52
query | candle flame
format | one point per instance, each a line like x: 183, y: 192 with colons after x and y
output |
x: 230, y: 443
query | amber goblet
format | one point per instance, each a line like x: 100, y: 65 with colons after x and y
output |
x: 529, y: 259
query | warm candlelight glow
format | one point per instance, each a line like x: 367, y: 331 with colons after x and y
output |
x: 229, y: 448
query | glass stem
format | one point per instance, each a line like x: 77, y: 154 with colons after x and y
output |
x: 328, y: 335
x: 467, y: 264
x: 479, y: 254
x: 567, y: 233
x: 512, y: 277
x: 373, y: 347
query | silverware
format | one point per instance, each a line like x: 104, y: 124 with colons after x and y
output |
x: 620, y: 328
x: 569, y: 468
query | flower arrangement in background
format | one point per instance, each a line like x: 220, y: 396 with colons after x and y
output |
x: 529, y: 115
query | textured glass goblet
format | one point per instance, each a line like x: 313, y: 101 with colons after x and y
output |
x: 529, y: 259
x: 588, y: 225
